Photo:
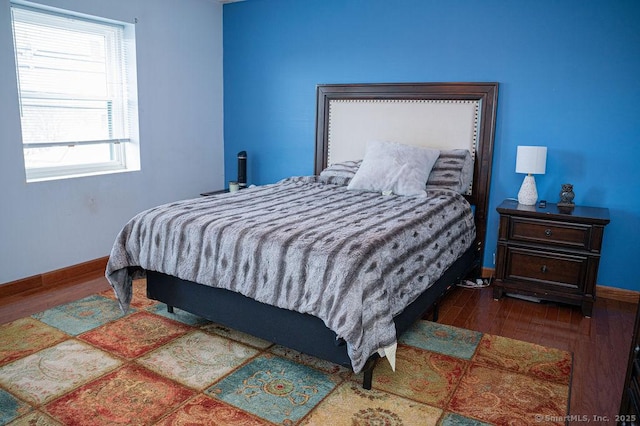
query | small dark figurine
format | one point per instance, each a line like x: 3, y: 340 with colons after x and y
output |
x: 566, y: 196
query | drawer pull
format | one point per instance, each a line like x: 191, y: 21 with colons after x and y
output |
x: 636, y: 349
x: 544, y: 269
x: 548, y: 232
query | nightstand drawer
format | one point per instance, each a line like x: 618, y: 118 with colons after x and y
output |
x: 550, y: 232
x: 547, y: 268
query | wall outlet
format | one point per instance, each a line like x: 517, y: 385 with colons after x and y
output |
x: 494, y: 258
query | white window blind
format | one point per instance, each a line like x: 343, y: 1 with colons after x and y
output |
x: 75, y: 104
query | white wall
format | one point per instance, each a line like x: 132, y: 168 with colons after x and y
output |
x: 49, y: 225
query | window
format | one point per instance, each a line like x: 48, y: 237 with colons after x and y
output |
x: 77, y: 97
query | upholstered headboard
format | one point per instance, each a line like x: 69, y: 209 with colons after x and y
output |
x: 435, y: 115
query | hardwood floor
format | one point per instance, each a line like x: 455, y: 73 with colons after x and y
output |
x: 28, y: 303
x: 600, y: 344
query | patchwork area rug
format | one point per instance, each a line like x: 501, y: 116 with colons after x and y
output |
x: 84, y: 363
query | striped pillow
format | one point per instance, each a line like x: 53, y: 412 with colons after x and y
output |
x: 340, y: 173
x: 453, y: 171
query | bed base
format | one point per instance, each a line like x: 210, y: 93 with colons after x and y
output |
x: 302, y: 332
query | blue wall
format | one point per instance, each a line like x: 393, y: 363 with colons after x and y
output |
x: 569, y: 74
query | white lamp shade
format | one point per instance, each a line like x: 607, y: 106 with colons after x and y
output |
x: 531, y: 160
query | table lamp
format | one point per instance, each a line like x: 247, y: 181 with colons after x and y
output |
x: 530, y: 160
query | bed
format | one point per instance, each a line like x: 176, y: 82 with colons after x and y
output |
x: 323, y: 264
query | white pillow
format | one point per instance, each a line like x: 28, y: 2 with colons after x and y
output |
x: 393, y: 167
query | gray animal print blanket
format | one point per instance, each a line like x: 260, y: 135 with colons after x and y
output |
x: 353, y: 259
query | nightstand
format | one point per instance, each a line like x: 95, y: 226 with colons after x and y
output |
x: 550, y: 253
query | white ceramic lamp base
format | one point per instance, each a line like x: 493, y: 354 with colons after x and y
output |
x: 528, y: 194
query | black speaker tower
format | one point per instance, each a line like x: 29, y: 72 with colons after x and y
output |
x: 242, y: 169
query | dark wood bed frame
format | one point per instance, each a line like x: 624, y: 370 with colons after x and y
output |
x: 306, y: 333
